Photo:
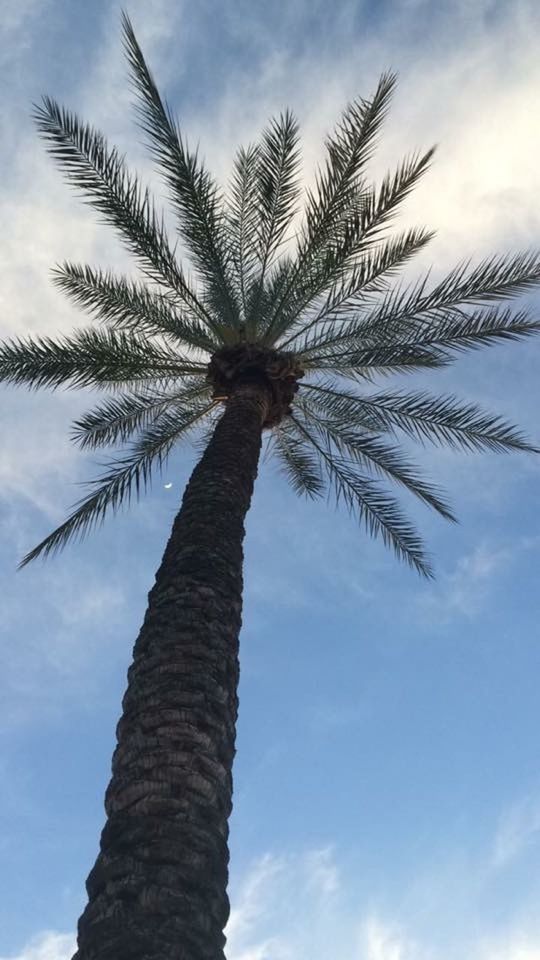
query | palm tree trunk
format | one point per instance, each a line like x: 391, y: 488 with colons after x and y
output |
x: 158, y: 888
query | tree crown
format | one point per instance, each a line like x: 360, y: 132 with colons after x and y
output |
x: 317, y: 316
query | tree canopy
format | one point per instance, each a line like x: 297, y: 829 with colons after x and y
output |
x: 297, y: 285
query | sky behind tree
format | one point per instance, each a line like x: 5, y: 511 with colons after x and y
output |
x: 387, y: 783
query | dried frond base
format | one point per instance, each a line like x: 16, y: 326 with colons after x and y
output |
x: 250, y: 363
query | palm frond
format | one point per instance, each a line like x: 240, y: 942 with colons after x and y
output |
x: 373, y: 361
x: 117, y: 418
x: 495, y: 278
x: 194, y: 193
x: 90, y: 358
x: 243, y: 219
x: 126, y: 305
x: 413, y: 314
x: 349, y: 150
x: 123, y: 479
x: 277, y: 194
x: 372, y: 506
x: 352, y: 249
x: 337, y: 186
x: 298, y: 461
x: 368, y: 277
x: 375, y: 456
x: 447, y: 335
x: 101, y: 175
x: 442, y: 420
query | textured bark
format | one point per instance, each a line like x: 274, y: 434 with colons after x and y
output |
x: 158, y: 888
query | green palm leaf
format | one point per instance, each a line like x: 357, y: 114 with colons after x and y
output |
x: 353, y: 246
x: 374, y: 455
x: 123, y: 479
x: 366, y: 278
x: 441, y: 420
x: 243, y: 219
x: 101, y: 175
x: 117, y: 418
x: 126, y: 305
x: 90, y: 358
x: 193, y: 191
x: 447, y: 334
x: 338, y: 188
x: 299, y: 462
x: 372, y: 506
x: 277, y: 195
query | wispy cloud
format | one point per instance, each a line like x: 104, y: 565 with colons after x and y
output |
x: 56, y: 658
x: 297, y: 906
x: 47, y: 946
x: 518, y: 830
x: 464, y: 589
x: 381, y: 941
x: 280, y: 903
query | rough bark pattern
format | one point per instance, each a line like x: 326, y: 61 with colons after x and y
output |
x: 158, y: 888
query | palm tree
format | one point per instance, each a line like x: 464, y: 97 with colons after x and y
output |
x: 277, y: 336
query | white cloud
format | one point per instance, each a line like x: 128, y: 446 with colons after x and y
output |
x: 282, y: 904
x: 465, y: 590
x: 518, y: 829
x: 278, y: 914
x: 295, y: 906
x: 322, y: 871
x: 380, y: 941
x: 47, y: 946
x: 518, y: 947
x: 58, y: 660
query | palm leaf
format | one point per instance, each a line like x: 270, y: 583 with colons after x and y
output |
x: 123, y: 479
x: 368, y: 276
x: 372, y: 506
x: 371, y: 362
x: 243, y: 219
x: 454, y: 332
x: 90, y: 358
x: 127, y: 305
x: 193, y: 191
x: 277, y: 194
x: 117, y: 418
x: 374, y: 455
x: 353, y: 247
x: 337, y: 187
x: 440, y: 420
x: 298, y: 460
x: 101, y: 175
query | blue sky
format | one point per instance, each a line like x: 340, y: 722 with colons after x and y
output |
x: 387, y: 783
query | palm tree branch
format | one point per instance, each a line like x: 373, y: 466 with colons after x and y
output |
x: 369, y: 275
x: 277, y: 192
x: 441, y: 420
x: 338, y: 185
x: 357, y: 236
x: 101, y: 175
x: 123, y: 479
x: 194, y: 193
x: 297, y: 460
x: 454, y: 332
x: 371, y: 452
x: 372, y: 506
x: 127, y: 305
x: 117, y: 418
x: 243, y: 215
x: 90, y: 358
